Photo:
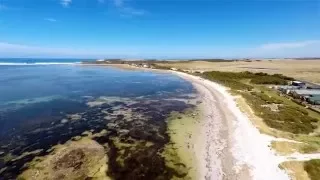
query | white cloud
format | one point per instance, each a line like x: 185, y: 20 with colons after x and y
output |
x: 8, y: 45
x: 118, y: 3
x: 50, y: 19
x: 131, y: 11
x: 20, y: 50
x: 127, y: 10
x: 13, y: 50
x: 288, y: 45
x: 65, y: 3
x: 308, y: 48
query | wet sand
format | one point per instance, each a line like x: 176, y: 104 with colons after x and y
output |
x: 226, y: 144
x: 210, y: 142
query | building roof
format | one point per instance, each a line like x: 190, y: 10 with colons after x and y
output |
x: 307, y: 91
x: 287, y: 87
x: 313, y: 86
x: 315, y: 98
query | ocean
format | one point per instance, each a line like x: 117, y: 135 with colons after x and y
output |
x: 39, y: 61
x: 46, y: 102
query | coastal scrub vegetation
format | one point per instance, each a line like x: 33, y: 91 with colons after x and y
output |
x: 232, y: 79
x: 286, y: 117
x: 313, y: 168
x: 156, y: 66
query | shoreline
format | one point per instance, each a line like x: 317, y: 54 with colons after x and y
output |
x: 225, y: 142
x: 125, y: 67
x: 228, y: 145
x: 229, y: 139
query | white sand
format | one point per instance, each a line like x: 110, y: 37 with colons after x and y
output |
x: 299, y: 157
x: 229, y: 142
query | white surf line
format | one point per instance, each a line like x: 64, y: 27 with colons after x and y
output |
x: 250, y: 147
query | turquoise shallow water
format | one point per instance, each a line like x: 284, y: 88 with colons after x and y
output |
x: 26, y: 85
x: 35, y: 100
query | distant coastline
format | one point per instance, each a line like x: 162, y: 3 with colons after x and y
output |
x: 40, y: 61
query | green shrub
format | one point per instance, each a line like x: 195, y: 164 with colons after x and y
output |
x: 288, y: 118
x: 255, y: 78
x: 309, y: 148
x: 228, y: 79
x: 267, y: 99
x: 160, y: 67
x: 283, y: 77
x: 313, y: 168
x: 269, y: 80
x: 264, y: 78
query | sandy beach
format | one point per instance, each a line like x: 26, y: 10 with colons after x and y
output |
x: 227, y: 144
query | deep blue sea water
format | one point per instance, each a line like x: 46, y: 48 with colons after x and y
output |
x: 30, y: 61
x: 37, y: 95
x: 22, y: 82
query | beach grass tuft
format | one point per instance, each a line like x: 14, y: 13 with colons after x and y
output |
x: 313, y: 168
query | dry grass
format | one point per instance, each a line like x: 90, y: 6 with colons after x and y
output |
x: 308, y: 70
x: 257, y: 121
x: 295, y: 170
x: 309, y: 144
x: 284, y: 147
x: 312, y: 167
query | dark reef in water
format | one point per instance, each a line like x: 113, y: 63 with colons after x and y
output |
x: 136, y: 134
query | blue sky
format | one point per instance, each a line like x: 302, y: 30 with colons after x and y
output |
x: 159, y: 28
